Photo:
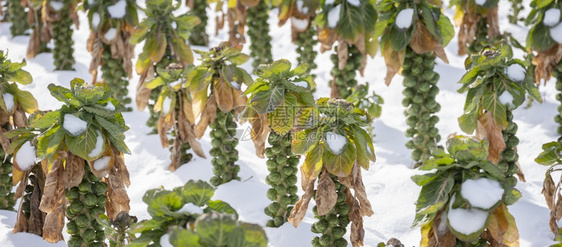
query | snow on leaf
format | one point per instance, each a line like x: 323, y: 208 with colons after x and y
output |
x: 300, y: 24
x: 101, y: 163
x: 551, y: 17
x: 516, y: 72
x: 95, y: 20
x: 466, y: 222
x: 480, y: 2
x: 300, y: 84
x: 335, y: 142
x: 506, y: 98
x: 25, y: 156
x: 482, y: 193
x: 334, y: 16
x: 74, y: 125
x: 117, y: 11
x: 56, y: 5
x: 110, y: 34
x: 355, y: 3
x: 191, y: 208
x: 556, y: 33
x: 404, y: 18
x: 166, y: 105
x: 9, y: 101
x: 99, y: 145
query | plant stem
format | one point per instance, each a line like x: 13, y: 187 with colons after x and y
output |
x: 332, y: 225
x: 17, y: 17
x: 344, y: 79
x: 258, y: 30
x: 115, y: 78
x: 199, y: 36
x: 224, y: 142
x: 62, y: 34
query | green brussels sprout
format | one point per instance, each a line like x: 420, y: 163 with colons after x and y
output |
x: 82, y: 221
x: 90, y: 200
x: 215, y: 181
x: 76, y: 207
x: 512, y: 142
x: 338, y: 232
x: 274, y: 177
x: 415, y: 70
x: 343, y: 209
x: 509, y: 155
x: 418, y: 99
x: 408, y: 92
x: 102, y: 199
x: 85, y: 187
x: 294, y: 198
x: 416, y: 154
x: 75, y: 241
x: 412, y: 120
x: 291, y: 179
x: 274, y: 207
x: 511, y: 128
x: 286, y: 200
x: 424, y: 87
x: 89, y: 235
x: 216, y: 143
x: 343, y: 221
x: 268, y: 152
x: 271, y: 194
x: 406, y: 65
x: 325, y: 240
x: 278, y: 220
x: 293, y: 161
x: 511, y: 181
x: 503, y: 165
x: 100, y: 188
x: 417, y: 60
x: 406, y: 102
x: 340, y: 242
x: 316, y: 242
x: 281, y: 160
x: 418, y: 139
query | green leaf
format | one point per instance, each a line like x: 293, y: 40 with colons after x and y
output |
x: 491, y: 103
x: 254, y: 235
x: 220, y: 207
x: 239, y: 59
x: 267, y: 101
x: 49, y: 142
x: 46, y: 121
x: 468, y: 122
x: 466, y: 149
x: 435, y: 162
x: 542, y: 3
x: 350, y: 23
x: 340, y: 165
x: 83, y: 144
x: 197, y: 192
x: 154, y: 83
x: 20, y: 76
x: 540, y: 37
x: 111, y: 128
x: 162, y: 202
x: 214, y: 228
x: 427, y: 15
x: 282, y: 119
x: 364, y: 146
x: 549, y: 155
x: 300, y: 69
x: 422, y: 180
x: 492, y: 169
x: 435, y: 194
x: 512, y: 196
x: 399, y: 39
x: 63, y: 94
x: 140, y: 32
x: 446, y: 28
x: 180, y: 237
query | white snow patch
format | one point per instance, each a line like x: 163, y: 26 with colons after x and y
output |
x: 191, y: 208
x: 482, y: 193
x: 466, y: 221
x: 334, y: 16
x: 165, y: 241
x: 300, y: 84
x: 110, y: 34
x: 25, y: 157
x: 551, y: 17
x: 442, y: 227
x: 56, y: 5
x: 110, y: 106
x: 95, y: 20
x: 236, y: 85
x: 9, y: 101
x: 99, y: 145
x: 299, y: 23
x: 174, y: 25
x: 556, y: 33
x: 480, y: 2
x: 404, y: 18
x: 355, y: 3
x: 516, y: 72
x: 364, y: 118
x: 166, y: 105
x: 118, y: 10
x: 299, y: 6
x: 101, y: 163
x: 335, y: 141
x: 506, y: 98
x: 74, y: 125
x: 175, y: 83
x: 329, y: 2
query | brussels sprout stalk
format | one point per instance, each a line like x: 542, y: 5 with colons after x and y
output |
x: 198, y: 35
x: 282, y: 166
x: 86, y: 203
x: 420, y: 82
x: 258, y: 30
x: 116, y: 78
x: 7, y: 201
x: 344, y: 79
x: 332, y: 225
x: 17, y: 17
x: 305, y: 48
x: 63, y: 52
x: 224, y: 142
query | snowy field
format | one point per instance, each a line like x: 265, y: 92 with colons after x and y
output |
x: 388, y: 183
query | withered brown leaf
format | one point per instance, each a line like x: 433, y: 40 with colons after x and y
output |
x: 488, y: 128
x: 299, y: 211
x: 326, y: 195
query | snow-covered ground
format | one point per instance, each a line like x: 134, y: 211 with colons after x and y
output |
x: 388, y: 183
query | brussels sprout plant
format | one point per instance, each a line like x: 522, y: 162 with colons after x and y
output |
x: 496, y: 84
x: 81, y: 146
x: 38, y: 40
x: 412, y: 35
x: 463, y: 201
x: 551, y: 157
x: 235, y: 15
x: 276, y: 99
x: 13, y: 106
x: 336, y: 148
x: 189, y: 218
x: 258, y: 29
x: 111, y: 25
x: 165, y: 37
x: 219, y: 73
x: 478, y: 22
x: 16, y: 14
x: 176, y: 111
x: 545, y: 42
x: 352, y: 24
